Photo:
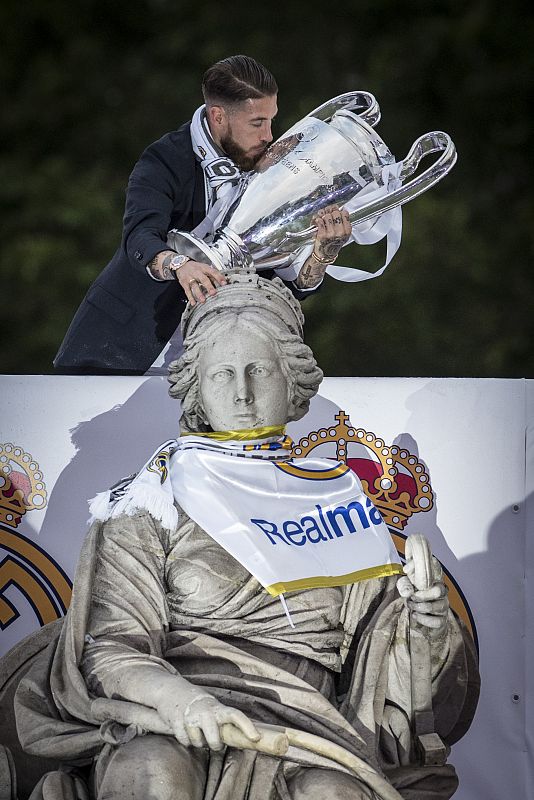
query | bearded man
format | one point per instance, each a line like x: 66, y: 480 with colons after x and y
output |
x: 186, y: 180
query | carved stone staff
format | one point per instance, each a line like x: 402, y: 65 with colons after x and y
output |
x: 432, y: 750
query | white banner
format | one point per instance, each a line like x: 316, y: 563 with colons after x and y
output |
x: 295, y: 524
x: 262, y: 507
x: 66, y: 438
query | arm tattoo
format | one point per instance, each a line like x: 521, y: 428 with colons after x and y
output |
x: 310, y: 274
x: 159, y: 266
x: 329, y: 249
x: 165, y: 271
x: 152, y: 266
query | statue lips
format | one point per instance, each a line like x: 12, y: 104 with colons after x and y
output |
x: 249, y: 417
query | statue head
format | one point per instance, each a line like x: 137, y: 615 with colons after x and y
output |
x: 244, y: 363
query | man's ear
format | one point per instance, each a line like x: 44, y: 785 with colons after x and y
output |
x: 216, y: 117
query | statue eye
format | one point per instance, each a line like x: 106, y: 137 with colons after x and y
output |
x: 221, y: 375
x: 259, y: 370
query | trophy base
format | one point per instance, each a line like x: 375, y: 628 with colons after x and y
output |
x: 188, y: 245
x: 227, y: 252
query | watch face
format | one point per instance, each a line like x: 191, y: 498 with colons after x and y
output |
x: 177, y: 261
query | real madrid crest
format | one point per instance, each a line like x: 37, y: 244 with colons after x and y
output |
x: 26, y: 566
x: 396, y: 481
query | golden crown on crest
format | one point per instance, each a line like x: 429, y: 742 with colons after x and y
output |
x: 22, y: 487
x: 392, y: 477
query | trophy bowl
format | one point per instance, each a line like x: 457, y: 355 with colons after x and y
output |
x: 332, y: 156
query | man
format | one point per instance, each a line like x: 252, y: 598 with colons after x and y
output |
x: 186, y: 180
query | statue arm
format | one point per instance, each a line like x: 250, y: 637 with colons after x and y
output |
x: 123, y: 657
x: 379, y: 666
x: 427, y: 658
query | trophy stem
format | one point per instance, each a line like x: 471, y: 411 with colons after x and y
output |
x: 227, y: 252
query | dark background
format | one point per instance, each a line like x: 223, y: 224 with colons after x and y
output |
x: 87, y: 85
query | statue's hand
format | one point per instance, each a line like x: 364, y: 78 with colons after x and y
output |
x: 429, y: 607
x: 197, y: 724
x: 428, y: 603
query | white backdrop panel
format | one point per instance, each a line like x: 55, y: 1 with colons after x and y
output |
x: 86, y: 433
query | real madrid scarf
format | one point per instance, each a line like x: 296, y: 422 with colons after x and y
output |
x: 292, y: 523
x: 223, y: 179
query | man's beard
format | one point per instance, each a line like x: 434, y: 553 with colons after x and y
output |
x: 236, y: 153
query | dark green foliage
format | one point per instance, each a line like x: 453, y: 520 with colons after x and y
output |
x: 87, y: 85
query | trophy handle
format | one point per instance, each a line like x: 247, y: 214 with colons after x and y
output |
x: 434, y: 142
x: 363, y: 104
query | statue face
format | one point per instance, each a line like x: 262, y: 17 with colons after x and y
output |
x: 241, y: 381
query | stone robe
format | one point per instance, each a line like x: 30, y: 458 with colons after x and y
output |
x: 143, y: 594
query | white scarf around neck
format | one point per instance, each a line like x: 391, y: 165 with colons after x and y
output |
x: 222, y: 177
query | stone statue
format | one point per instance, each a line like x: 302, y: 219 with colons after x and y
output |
x: 175, y: 675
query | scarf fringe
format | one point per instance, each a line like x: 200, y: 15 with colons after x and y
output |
x: 156, y: 502
x: 138, y: 498
x: 99, y: 507
x: 158, y: 499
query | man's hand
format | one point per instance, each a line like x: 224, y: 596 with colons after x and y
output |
x: 198, y: 280
x: 196, y: 722
x: 333, y: 231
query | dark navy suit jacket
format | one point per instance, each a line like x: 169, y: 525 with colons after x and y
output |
x: 127, y: 318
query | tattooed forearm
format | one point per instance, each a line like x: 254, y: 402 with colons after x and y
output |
x: 311, y: 274
x: 329, y: 248
x: 159, y: 266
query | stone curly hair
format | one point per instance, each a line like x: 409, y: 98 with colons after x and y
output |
x: 296, y: 359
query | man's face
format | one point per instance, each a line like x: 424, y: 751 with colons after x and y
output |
x: 241, y: 382
x: 244, y: 132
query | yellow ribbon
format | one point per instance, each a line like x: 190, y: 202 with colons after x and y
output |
x: 245, y: 434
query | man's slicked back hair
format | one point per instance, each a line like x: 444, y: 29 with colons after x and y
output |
x: 236, y: 79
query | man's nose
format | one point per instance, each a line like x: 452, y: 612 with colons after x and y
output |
x: 267, y: 134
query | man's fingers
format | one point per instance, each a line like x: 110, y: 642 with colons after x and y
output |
x: 333, y: 223
x: 198, y: 279
x: 345, y: 221
x: 197, y: 288
x: 206, y: 285
x: 321, y: 228
x: 189, y: 294
x: 217, y: 277
x: 194, y: 292
x: 329, y: 224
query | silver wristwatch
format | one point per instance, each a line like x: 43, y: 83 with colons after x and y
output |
x: 176, y: 262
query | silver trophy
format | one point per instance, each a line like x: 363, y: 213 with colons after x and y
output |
x: 332, y: 156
